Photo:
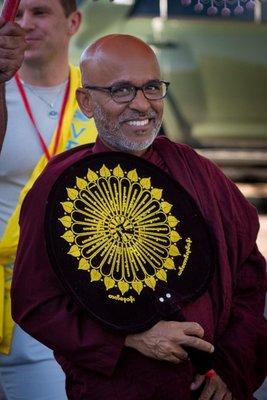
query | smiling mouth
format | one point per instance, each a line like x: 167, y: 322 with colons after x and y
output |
x: 138, y: 123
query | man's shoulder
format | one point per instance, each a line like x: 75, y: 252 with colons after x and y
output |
x: 179, y: 151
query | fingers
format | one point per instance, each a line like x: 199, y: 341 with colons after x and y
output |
x: 10, y: 54
x: 12, y: 48
x: 197, y: 343
x: 190, y: 334
x: 10, y: 65
x: 164, y: 350
x: 180, y: 353
x: 11, y: 42
x: 11, y: 36
x: 193, y: 328
x: 197, y: 382
x: 215, y: 389
x: 10, y: 29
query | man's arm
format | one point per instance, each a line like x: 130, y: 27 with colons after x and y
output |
x: 12, y: 47
x: 240, y: 350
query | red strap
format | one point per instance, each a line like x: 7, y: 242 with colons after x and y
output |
x: 30, y: 114
x: 9, y: 10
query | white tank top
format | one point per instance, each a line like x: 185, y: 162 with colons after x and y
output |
x: 21, y: 148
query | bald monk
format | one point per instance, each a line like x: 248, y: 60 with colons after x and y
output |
x: 123, y: 91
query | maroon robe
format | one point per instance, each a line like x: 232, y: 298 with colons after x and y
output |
x: 96, y: 363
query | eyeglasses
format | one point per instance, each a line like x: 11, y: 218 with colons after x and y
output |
x: 125, y: 93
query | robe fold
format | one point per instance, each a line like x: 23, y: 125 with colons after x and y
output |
x: 96, y: 363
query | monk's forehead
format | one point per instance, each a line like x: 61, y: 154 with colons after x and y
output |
x: 113, y: 60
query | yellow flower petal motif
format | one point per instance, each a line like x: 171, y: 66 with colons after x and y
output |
x: 105, y: 172
x: 66, y: 221
x: 95, y: 275
x: 84, y: 264
x: 72, y: 193
x: 162, y: 275
x: 137, y: 286
x: 110, y: 220
x: 109, y: 282
x: 169, y: 263
x: 172, y: 221
x: 166, y: 207
x: 132, y: 175
x: 156, y: 193
x: 174, y: 251
x: 146, y: 183
x: 81, y: 183
x: 151, y: 282
x: 118, y: 172
x: 74, y: 251
x: 123, y: 286
x: 68, y: 236
x: 67, y: 206
x: 175, y: 236
x: 92, y: 176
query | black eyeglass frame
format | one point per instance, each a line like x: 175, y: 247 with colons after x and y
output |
x: 110, y: 89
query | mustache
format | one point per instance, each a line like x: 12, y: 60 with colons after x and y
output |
x: 130, y: 115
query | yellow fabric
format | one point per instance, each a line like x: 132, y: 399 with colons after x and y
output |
x: 76, y: 130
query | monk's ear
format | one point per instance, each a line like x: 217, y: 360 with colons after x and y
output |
x: 85, y: 101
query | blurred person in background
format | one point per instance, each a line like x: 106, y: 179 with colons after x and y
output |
x: 43, y: 120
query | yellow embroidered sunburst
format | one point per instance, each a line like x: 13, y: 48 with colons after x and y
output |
x: 120, y: 229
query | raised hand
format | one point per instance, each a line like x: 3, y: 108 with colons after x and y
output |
x: 12, y: 48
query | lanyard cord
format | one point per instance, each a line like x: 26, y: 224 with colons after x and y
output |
x: 30, y: 114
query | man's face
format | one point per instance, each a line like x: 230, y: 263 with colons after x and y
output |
x: 133, y: 126
x: 47, y: 29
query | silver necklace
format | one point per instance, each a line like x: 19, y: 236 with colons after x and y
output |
x: 52, y: 113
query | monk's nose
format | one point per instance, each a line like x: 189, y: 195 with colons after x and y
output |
x: 140, y: 102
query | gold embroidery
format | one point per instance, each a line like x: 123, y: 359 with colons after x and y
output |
x: 121, y: 230
x: 186, y: 256
x: 130, y: 299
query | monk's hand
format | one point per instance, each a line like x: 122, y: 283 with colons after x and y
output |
x: 165, y: 341
x: 214, y: 388
x: 12, y: 48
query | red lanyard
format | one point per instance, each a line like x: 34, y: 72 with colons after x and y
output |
x: 30, y: 114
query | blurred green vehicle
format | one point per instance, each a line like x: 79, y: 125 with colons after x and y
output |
x: 217, y: 100
x: 217, y: 67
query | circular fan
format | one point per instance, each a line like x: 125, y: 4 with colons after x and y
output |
x: 126, y: 240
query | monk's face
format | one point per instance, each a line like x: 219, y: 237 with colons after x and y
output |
x: 132, y: 126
